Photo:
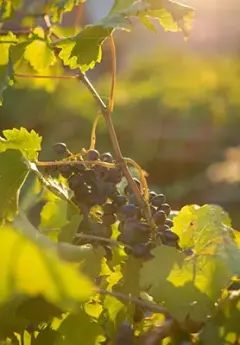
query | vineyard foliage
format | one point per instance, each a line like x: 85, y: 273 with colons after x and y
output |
x: 80, y: 277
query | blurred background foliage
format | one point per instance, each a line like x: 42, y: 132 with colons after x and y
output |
x: 176, y: 114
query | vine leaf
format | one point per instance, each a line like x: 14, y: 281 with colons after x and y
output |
x: 29, y: 143
x: 54, y: 215
x: 84, y: 50
x: 81, y: 329
x: 39, y: 55
x: 13, y: 173
x: 60, y: 283
x: 179, y: 294
x: 6, y: 78
x: 10, y: 37
x: 7, y: 8
x: 59, y: 7
x: 202, y: 275
x: 68, y: 231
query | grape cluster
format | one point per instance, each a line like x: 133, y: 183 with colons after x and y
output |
x: 97, y: 185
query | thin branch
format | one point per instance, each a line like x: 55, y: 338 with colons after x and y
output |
x: 93, y: 133
x: 36, y: 76
x: 103, y: 239
x: 114, y: 75
x: 67, y: 162
x: 16, y: 32
x: 144, y: 186
x: 146, y: 305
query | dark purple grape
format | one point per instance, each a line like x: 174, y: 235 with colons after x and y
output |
x: 166, y: 208
x: 109, y: 218
x: 120, y: 200
x: 114, y: 176
x: 158, y: 200
x: 60, y: 148
x: 111, y: 190
x: 89, y: 176
x: 107, y: 157
x: 152, y: 194
x: 93, y: 155
x: 129, y: 210
x: 168, y: 235
x: 66, y: 171
x: 140, y: 250
x: 81, y: 192
x: 52, y: 170
x: 169, y: 222
x: 125, y: 334
x: 79, y: 168
x: 162, y: 228
x: 128, y: 251
x: 100, y: 171
x: 128, y: 189
x: 133, y: 199
x: 109, y: 208
x: 101, y: 230
x: 76, y: 181
x: 188, y: 252
x: 159, y: 217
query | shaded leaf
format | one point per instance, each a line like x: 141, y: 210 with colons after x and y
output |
x: 59, y: 7
x: 6, y: 78
x: 29, y: 143
x: 13, y: 173
x: 69, y: 230
x: 81, y: 329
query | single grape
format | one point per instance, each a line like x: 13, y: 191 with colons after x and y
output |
x: 76, y: 181
x: 159, y: 217
x: 81, y: 193
x: 165, y: 208
x: 162, y: 228
x: 109, y: 208
x: 114, y: 176
x: 133, y: 199
x: 128, y: 251
x: 129, y: 210
x: 107, y: 157
x: 100, y: 171
x: 109, y: 218
x: 52, y: 171
x: 66, y: 171
x: 120, y: 200
x: 158, y: 200
x: 152, y: 194
x: 79, y: 168
x: 188, y: 252
x: 60, y: 148
x: 140, y: 250
x: 93, y: 155
x: 170, y: 236
x: 169, y: 222
x: 111, y: 190
x: 125, y: 335
x: 128, y: 189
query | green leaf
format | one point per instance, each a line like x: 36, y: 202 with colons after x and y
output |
x: 29, y: 143
x: 129, y: 284
x: 39, y: 55
x: 60, y: 283
x: 47, y: 336
x: 5, y: 45
x: 81, y: 329
x: 6, y: 78
x: 120, y: 5
x: 7, y: 8
x: 54, y: 215
x: 69, y: 230
x: 169, y: 282
x: 13, y: 173
x: 84, y: 50
x: 61, y: 6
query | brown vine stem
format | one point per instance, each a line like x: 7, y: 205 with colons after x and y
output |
x: 93, y: 133
x: 66, y: 162
x: 126, y: 298
x: 36, y: 76
x: 144, y: 186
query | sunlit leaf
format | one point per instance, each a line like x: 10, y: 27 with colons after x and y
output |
x: 6, y: 78
x: 39, y: 55
x: 29, y: 143
x: 5, y: 45
x: 57, y: 281
x: 13, y: 173
x: 59, y: 7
